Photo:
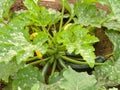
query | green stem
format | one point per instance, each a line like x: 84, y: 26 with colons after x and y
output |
x: 54, y: 67
x: 32, y: 59
x: 108, y: 55
x: 77, y: 62
x: 62, y: 53
x: 2, y: 20
x: 71, y: 17
x: 39, y: 61
x: 62, y: 63
x: 46, y: 67
x: 61, y: 22
x: 51, y: 51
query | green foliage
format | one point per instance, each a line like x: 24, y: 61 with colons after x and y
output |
x: 114, y: 38
x: 13, y: 43
x: 37, y: 38
x: 78, y: 40
x: 113, y: 20
x: 88, y: 14
x: 5, y: 8
x: 26, y: 78
x: 40, y: 15
x: 77, y: 81
x: 8, y: 69
x: 108, y: 74
x: 89, y: 1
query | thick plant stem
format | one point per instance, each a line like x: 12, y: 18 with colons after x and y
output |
x: 108, y: 55
x: 77, y: 62
x: 54, y: 67
x: 61, y: 62
x: 46, y: 67
x: 61, y: 21
x: 39, y: 61
x: 32, y: 59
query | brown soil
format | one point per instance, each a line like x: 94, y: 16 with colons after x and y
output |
x: 55, y: 4
x: 103, y: 47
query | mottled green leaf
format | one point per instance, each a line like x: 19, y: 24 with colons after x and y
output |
x: 113, y: 88
x: 55, y: 15
x: 29, y: 78
x: 68, y: 6
x: 35, y: 87
x: 55, y: 77
x: 89, y: 1
x: 40, y: 15
x: 87, y: 14
x: 14, y: 43
x: 113, y: 21
x: 26, y: 78
x: 77, y: 81
x: 5, y: 7
x: 32, y: 6
x: 8, y: 69
x: 78, y: 40
x: 114, y: 37
x: 109, y: 73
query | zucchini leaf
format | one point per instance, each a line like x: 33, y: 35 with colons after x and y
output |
x: 109, y: 74
x: 5, y: 7
x: 40, y: 15
x: 8, y: 69
x: 68, y: 6
x: 114, y: 37
x: 78, y: 40
x: 89, y: 1
x: 41, y: 86
x: 113, y: 88
x: 30, y: 78
x: 77, y: 81
x: 26, y: 77
x: 113, y: 21
x: 13, y: 42
x: 87, y: 14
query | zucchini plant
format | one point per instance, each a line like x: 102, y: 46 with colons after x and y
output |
x: 40, y: 45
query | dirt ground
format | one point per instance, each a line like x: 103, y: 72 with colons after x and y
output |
x: 103, y: 47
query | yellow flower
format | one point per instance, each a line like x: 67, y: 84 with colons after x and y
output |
x: 67, y: 26
x: 39, y: 55
x: 33, y: 35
